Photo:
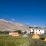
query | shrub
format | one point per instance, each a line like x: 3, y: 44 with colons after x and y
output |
x: 4, y: 32
x: 19, y: 31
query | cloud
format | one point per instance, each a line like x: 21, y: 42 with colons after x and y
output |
x: 42, y: 26
x: 12, y: 19
x: 27, y: 23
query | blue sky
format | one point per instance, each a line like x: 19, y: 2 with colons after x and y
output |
x: 30, y: 12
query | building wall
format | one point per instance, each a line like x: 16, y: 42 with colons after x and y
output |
x: 14, y: 33
x: 28, y: 32
x: 42, y: 32
x: 37, y: 31
x: 31, y: 30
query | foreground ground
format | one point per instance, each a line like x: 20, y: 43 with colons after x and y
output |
x: 20, y: 41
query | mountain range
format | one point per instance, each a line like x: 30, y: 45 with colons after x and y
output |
x: 12, y: 26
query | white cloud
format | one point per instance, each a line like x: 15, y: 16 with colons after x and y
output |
x: 27, y: 23
x: 12, y: 19
x: 42, y: 26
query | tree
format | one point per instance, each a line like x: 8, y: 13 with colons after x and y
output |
x: 25, y: 32
x: 19, y: 31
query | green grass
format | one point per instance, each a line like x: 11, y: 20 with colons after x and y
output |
x: 20, y: 41
x: 13, y: 41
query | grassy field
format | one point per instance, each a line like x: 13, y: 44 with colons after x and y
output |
x: 13, y: 41
x: 20, y: 41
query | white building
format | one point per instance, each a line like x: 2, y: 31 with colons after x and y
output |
x: 36, y: 30
x: 10, y: 33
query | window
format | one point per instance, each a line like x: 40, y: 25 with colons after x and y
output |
x: 39, y: 30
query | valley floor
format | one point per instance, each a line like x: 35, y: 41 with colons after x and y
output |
x: 20, y: 41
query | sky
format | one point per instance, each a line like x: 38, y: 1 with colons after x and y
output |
x: 30, y: 12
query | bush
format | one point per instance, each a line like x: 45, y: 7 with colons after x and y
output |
x: 19, y: 31
x: 25, y: 32
x: 4, y: 32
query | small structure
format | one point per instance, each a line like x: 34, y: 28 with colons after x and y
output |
x: 14, y: 34
x: 45, y: 38
x: 10, y: 33
x: 35, y: 36
x: 25, y: 35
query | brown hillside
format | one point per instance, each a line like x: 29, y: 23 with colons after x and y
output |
x: 11, y: 26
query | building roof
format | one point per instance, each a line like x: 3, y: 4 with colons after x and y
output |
x: 15, y: 34
x: 38, y: 28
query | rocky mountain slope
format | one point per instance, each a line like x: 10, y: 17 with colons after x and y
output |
x: 11, y: 26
